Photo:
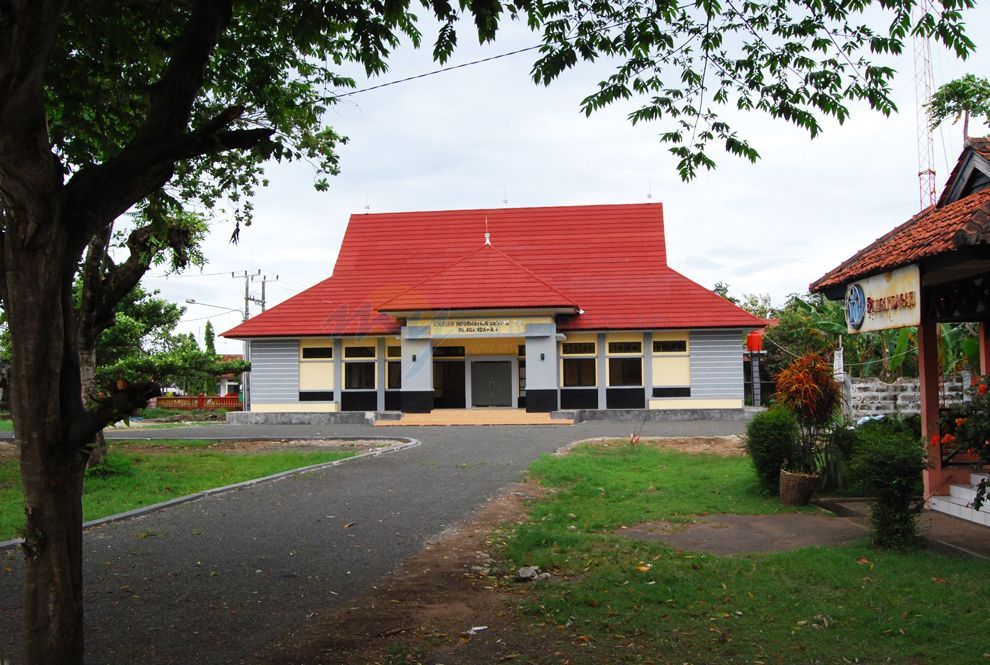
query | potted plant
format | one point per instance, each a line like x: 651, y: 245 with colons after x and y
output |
x: 965, y: 427
x: 808, y: 388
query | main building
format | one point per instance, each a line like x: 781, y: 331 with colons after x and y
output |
x: 536, y: 308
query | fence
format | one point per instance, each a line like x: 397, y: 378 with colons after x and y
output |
x: 199, y: 402
x: 873, y: 397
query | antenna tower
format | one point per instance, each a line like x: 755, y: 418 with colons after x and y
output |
x: 923, y: 89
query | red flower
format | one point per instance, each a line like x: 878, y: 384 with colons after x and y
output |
x: 947, y: 439
x: 982, y: 389
x: 960, y: 422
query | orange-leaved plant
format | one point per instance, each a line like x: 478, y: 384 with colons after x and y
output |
x: 808, y: 388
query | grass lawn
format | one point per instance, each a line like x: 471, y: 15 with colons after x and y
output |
x: 144, y: 478
x: 638, y: 602
x: 6, y: 425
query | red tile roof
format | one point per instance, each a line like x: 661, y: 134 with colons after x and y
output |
x: 932, y: 231
x: 610, y: 260
x: 497, y: 282
x: 981, y: 147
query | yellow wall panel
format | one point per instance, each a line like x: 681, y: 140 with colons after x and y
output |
x: 687, y: 403
x: 674, y: 370
x: 315, y: 375
x: 296, y: 407
x: 624, y: 337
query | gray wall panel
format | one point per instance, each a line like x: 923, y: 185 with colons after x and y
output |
x: 274, y: 371
x: 716, y: 363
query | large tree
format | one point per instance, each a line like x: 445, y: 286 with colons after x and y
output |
x: 112, y: 105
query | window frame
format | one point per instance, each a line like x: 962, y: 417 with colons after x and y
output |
x: 624, y: 359
x: 370, y: 363
x: 584, y: 361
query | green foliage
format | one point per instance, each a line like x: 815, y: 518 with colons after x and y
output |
x: 966, y: 427
x: 888, y: 467
x: 209, y: 338
x: 833, y: 457
x: 808, y: 388
x: 966, y: 96
x: 772, y: 441
x: 111, y: 466
x: 631, y: 599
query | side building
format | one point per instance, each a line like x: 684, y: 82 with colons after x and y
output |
x: 537, y: 308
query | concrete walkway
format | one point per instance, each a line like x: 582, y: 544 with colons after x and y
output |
x: 215, y: 580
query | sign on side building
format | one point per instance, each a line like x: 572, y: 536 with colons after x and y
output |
x: 882, y: 302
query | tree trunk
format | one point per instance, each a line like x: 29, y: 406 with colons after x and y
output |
x: 87, y: 374
x: 39, y: 260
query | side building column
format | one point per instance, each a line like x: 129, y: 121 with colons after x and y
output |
x: 984, y: 334
x: 542, y: 393
x: 602, y: 372
x: 647, y: 367
x: 380, y: 372
x: 417, y: 370
x: 338, y: 371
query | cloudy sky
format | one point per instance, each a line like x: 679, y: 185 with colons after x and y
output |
x: 473, y: 137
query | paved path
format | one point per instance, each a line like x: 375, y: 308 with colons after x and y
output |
x: 215, y: 580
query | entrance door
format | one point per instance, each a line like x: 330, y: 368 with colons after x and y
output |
x: 491, y: 383
x: 448, y: 384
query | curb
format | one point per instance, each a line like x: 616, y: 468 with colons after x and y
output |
x: 155, y: 507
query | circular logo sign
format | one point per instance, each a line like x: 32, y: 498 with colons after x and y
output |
x: 855, y: 306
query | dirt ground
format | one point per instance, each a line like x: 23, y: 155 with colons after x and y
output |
x: 452, y: 603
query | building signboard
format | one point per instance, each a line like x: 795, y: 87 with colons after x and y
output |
x: 477, y: 327
x: 882, y: 302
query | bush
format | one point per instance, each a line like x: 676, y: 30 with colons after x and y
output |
x: 889, y: 467
x: 111, y: 466
x: 772, y: 441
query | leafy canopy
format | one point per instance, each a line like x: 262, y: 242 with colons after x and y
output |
x: 966, y: 96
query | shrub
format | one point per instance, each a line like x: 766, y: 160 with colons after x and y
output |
x: 111, y: 466
x: 834, y: 455
x: 889, y: 467
x: 771, y: 441
x: 807, y: 387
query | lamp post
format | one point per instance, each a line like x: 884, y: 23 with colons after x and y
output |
x: 245, y: 376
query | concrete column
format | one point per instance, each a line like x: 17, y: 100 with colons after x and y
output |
x: 417, y: 369
x: 602, y: 371
x: 380, y: 371
x: 338, y: 370
x: 648, y: 366
x: 542, y: 394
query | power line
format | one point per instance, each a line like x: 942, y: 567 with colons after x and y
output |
x: 440, y: 71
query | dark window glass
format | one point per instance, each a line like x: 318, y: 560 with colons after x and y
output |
x: 579, y: 372
x: 394, y: 373
x: 359, y: 376
x: 625, y: 372
x: 625, y: 347
x: 522, y: 351
x: 672, y: 392
x: 670, y: 346
x: 359, y: 352
x: 394, y: 352
x: 314, y: 352
x: 311, y: 396
x: 448, y: 352
x: 577, y: 348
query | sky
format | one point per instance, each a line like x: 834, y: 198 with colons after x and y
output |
x: 486, y: 134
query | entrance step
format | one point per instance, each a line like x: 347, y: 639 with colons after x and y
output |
x: 481, y: 416
x: 959, y: 502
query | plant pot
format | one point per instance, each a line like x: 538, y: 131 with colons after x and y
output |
x: 796, y: 488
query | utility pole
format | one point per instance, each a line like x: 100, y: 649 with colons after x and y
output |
x: 246, y: 376
x: 264, y: 280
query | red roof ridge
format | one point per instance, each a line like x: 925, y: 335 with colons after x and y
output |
x: 491, y: 246
x: 513, y: 210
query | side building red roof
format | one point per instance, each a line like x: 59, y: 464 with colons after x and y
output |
x: 932, y: 231
x: 608, y: 260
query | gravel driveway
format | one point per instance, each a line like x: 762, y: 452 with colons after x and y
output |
x: 215, y: 580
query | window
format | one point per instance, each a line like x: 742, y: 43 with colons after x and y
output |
x: 317, y: 352
x: 448, y: 352
x: 625, y: 372
x: 672, y: 392
x: 578, y: 348
x: 625, y: 347
x: 394, y: 352
x: 670, y: 346
x: 359, y: 352
x: 359, y: 376
x: 393, y: 373
x: 521, y: 352
x: 579, y: 372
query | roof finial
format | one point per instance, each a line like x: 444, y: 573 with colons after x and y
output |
x: 649, y: 190
x: 488, y: 236
x: 505, y: 197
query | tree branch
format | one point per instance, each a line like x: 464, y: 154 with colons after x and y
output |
x: 172, y: 98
